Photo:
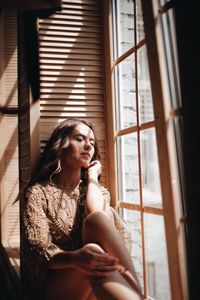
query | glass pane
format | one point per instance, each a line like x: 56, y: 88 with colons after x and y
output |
x: 150, y: 170
x: 133, y: 221
x: 178, y: 130
x: 158, y: 286
x: 128, y: 173
x: 145, y: 96
x: 125, y: 93
x: 171, y: 57
x: 139, y: 21
x: 124, y: 24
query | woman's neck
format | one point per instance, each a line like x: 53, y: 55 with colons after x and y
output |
x: 68, y: 178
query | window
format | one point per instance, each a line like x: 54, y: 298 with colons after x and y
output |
x: 147, y: 198
x: 143, y: 127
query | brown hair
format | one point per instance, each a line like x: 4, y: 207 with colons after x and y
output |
x: 49, y: 160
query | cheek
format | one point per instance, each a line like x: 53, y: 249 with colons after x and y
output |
x: 74, y: 147
x: 71, y: 151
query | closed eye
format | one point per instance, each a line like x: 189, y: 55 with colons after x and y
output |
x: 79, y: 139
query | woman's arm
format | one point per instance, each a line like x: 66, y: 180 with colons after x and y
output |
x: 36, y: 232
x: 90, y: 259
x: 94, y: 197
x: 97, y: 197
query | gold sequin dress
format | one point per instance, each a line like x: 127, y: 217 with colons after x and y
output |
x: 52, y: 222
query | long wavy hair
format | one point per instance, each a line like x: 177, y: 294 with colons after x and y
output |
x: 49, y: 160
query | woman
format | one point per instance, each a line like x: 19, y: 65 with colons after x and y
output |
x: 71, y: 247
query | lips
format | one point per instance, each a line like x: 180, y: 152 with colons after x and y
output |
x: 86, y: 154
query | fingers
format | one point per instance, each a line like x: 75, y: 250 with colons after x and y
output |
x: 107, y: 263
x: 102, y: 265
x: 98, y: 274
x: 104, y: 258
x: 95, y: 163
x: 91, y: 164
x: 93, y: 169
x: 94, y: 263
x: 102, y: 271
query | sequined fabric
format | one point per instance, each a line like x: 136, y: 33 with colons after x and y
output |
x: 52, y: 222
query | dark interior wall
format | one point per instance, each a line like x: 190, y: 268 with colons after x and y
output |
x: 187, y: 14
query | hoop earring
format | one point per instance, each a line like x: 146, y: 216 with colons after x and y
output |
x: 57, y: 170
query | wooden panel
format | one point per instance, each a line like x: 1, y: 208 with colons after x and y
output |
x: 9, y: 168
x: 9, y: 181
x: 71, y: 69
x: 9, y: 61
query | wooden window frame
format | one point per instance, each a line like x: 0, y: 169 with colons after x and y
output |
x: 172, y: 203
x: 164, y: 115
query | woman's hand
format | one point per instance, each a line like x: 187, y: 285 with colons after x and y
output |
x: 93, y: 261
x: 93, y: 170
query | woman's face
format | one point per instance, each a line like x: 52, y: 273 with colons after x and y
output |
x: 81, y: 147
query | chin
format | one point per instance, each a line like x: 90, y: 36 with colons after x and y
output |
x: 85, y: 162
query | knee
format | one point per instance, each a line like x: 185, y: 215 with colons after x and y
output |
x: 96, y: 218
x: 94, y: 248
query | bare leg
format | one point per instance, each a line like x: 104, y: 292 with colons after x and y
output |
x: 92, y: 296
x: 62, y: 285
x: 69, y: 284
x: 99, y: 229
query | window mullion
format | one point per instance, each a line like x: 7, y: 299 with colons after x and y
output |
x: 164, y: 133
x: 139, y: 153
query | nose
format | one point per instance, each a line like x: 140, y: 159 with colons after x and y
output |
x: 87, y: 145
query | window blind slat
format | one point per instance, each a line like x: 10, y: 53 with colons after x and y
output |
x: 60, y: 16
x: 50, y: 49
x: 74, y: 40
x: 68, y: 46
x: 62, y: 32
x: 75, y: 85
x: 56, y: 25
x: 71, y: 97
x: 75, y: 24
x: 76, y: 102
x: 80, y: 72
x: 70, y: 79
